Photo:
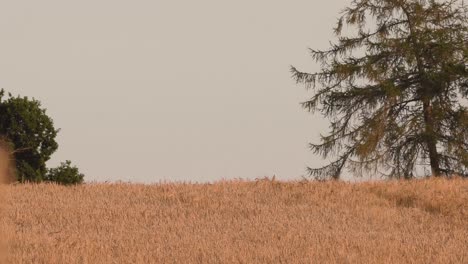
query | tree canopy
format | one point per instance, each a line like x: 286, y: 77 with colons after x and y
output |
x: 30, y: 135
x: 394, y: 86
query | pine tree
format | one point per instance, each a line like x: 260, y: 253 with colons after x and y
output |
x: 395, y: 90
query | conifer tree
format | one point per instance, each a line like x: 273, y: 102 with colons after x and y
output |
x: 394, y: 87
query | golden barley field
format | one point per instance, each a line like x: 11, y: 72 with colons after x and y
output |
x: 421, y: 221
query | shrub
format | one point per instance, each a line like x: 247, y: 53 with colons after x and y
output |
x: 31, y: 134
x: 65, y: 174
x: 28, y: 137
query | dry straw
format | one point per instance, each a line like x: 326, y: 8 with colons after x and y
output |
x: 423, y: 221
x: 6, y: 174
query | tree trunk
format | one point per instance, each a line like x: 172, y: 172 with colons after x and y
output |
x: 430, y: 138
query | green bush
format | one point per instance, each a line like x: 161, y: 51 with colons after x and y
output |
x: 29, y: 133
x: 65, y: 174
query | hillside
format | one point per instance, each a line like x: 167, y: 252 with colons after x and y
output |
x: 424, y: 221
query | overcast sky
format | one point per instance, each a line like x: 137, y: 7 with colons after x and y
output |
x: 145, y: 91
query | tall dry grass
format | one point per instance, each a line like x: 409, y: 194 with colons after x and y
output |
x: 6, y: 173
x: 424, y: 221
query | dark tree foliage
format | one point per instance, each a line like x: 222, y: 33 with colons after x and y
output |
x: 395, y: 90
x: 65, y: 174
x: 32, y: 134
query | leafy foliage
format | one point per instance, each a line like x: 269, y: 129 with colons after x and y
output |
x: 30, y: 133
x: 65, y: 174
x: 394, y: 90
x: 25, y: 124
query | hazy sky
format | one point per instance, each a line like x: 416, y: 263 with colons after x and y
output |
x: 146, y: 91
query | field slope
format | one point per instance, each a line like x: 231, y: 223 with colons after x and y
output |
x: 424, y: 221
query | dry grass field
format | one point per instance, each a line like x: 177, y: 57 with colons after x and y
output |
x: 423, y: 221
